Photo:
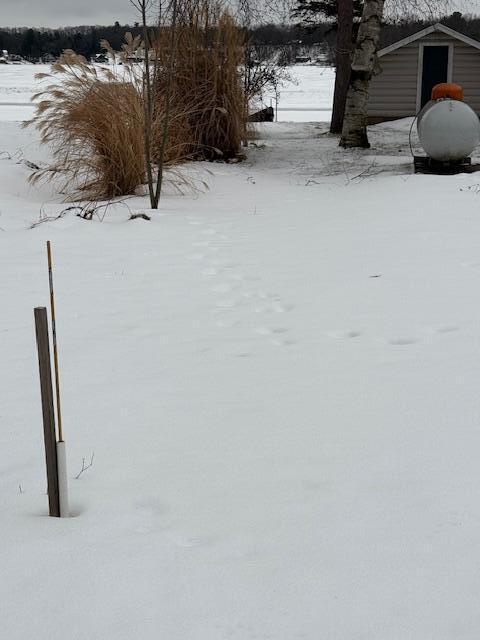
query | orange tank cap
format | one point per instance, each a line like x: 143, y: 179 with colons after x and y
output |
x: 447, y: 90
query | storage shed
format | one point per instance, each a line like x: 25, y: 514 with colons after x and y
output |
x: 410, y: 68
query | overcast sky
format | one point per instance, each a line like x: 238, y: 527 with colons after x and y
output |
x: 54, y: 13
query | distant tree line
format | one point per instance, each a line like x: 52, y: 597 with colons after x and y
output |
x: 33, y: 44
x: 323, y: 31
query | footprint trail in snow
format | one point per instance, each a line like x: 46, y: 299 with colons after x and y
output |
x: 241, y: 307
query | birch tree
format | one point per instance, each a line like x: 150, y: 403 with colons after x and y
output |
x: 354, y: 131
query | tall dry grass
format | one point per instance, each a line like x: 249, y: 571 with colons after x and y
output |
x: 207, y: 89
x: 93, y: 121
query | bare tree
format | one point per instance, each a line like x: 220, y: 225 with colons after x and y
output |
x: 144, y: 7
x: 167, y: 100
x: 166, y: 15
x: 263, y: 69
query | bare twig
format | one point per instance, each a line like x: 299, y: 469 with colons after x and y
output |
x: 43, y: 217
x: 86, y: 211
x: 19, y: 158
x: 85, y: 466
x: 366, y: 172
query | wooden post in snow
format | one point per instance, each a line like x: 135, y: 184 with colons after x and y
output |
x: 43, y: 348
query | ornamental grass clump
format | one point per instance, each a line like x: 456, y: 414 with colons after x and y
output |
x: 93, y: 121
x: 206, y: 86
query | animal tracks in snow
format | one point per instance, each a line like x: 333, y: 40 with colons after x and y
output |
x: 269, y: 331
x: 236, y: 298
x: 282, y: 308
x: 401, y: 341
x: 186, y: 542
x: 276, y: 335
x: 447, y: 329
x: 231, y: 309
x: 342, y: 335
x: 283, y: 343
x: 431, y: 331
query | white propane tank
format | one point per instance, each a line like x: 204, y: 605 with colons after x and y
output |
x: 449, y: 130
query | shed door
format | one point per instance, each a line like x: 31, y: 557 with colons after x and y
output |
x: 434, y: 69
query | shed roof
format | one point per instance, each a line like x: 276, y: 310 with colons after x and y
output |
x: 439, y: 28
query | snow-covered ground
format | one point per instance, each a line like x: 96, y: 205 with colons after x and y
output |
x: 278, y: 378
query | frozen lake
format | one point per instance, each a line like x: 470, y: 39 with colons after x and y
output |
x: 307, y: 98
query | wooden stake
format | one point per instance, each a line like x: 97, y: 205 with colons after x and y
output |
x: 43, y: 348
x: 55, y: 350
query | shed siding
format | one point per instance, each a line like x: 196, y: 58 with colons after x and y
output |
x: 466, y: 73
x: 393, y: 93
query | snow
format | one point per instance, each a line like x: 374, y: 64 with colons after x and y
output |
x: 278, y: 379
x: 17, y: 85
x: 306, y: 96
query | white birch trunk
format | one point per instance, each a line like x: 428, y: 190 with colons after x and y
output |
x: 354, y: 132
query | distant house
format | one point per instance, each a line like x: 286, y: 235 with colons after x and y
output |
x: 411, y: 67
x: 3, y: 56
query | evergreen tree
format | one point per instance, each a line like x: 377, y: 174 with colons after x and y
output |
x: 313, y: 11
